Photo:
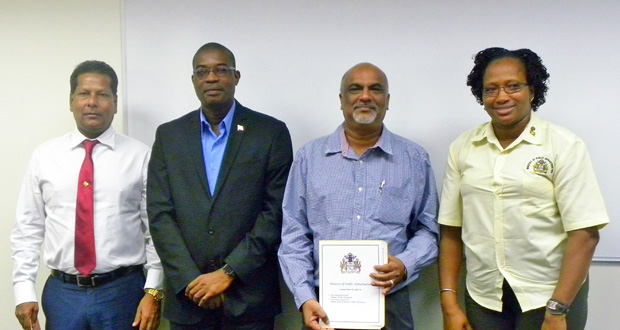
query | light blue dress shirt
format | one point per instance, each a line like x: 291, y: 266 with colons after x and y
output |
x: 214, y: 146
x: 388, y: 194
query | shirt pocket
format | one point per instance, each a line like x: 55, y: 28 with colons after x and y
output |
x: 538, y: 196
x: 395, y: 205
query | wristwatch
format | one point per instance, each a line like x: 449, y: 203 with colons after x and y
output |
x: 556, y: 307
x: 157, y: 294
x: 229, y: 271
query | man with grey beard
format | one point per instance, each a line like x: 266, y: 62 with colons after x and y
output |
x: 361, y: 182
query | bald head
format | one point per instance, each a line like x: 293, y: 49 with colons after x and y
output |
x: 364, y: 98
x: 360, y: 66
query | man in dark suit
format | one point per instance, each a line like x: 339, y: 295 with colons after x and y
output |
x: 215, y: 184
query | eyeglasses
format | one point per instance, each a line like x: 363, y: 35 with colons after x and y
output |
x: 220, y: 71
x: 493, y: 91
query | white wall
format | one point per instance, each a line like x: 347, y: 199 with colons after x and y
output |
x: 292, y: 54
x: 42, y: 41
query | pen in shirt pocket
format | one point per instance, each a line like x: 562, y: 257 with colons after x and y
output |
x: 381, y: 186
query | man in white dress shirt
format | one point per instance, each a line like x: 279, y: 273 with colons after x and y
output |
x: 115, y: 294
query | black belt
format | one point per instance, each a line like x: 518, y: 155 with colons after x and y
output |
x: 95, y: 279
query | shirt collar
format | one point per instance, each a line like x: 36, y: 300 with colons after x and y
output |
x: 226, y: 122
x: 106, y: 138
x: 337, y: 142
x: 531, y: 133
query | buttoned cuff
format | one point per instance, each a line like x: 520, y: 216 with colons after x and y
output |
x: 154, y: 279
x: 303, y: 294
x: 409, y: 260
x: 24, y: 292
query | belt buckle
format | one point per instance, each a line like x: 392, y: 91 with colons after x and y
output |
x: 85, y: 281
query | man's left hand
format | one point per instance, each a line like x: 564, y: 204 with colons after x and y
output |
x: 149, y: 311
x: 207, y: 286
x: 389, y: 275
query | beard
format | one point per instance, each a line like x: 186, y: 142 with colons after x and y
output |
x: 365, y: 118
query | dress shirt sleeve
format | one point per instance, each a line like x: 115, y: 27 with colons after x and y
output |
x: 250, y: 254
x: 154, y: 271
x: 577, y: 191
x: 451, y: 207
x: 169, y: 243
x: 296, y: 251
x: 422, y: 248
x: 27, y: 235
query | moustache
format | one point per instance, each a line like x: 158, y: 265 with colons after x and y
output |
x: 366, y: 105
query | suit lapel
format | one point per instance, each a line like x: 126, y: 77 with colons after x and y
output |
x: 194, y: 141
x: 237, y: 132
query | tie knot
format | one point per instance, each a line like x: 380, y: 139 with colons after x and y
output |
x: 89, y: 145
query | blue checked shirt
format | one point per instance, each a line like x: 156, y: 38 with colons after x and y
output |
x: 388, y: 194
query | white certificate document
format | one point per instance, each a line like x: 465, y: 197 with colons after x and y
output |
x: 345, y: 292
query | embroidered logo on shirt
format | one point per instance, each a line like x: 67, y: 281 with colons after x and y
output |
x: 350, y: 264
x: 540, y: 165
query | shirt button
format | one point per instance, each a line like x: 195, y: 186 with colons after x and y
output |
x: 211, y: 231
x: 361, y: 162
x: 360, y: 189
x: 358, y: 217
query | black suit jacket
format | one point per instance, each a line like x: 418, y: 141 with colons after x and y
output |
x: 196, y: 233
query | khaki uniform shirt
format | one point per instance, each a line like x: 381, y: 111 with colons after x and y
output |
x: 515, y: 206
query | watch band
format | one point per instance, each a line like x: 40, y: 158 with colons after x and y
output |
x: 158, y: 295
x: 556, y: 307
x: 229, y: 271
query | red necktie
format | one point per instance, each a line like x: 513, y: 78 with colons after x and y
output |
x: 85, y: 258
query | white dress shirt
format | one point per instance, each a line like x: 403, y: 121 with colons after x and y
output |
x: 46, y: 210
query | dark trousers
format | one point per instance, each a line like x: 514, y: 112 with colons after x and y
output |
x: 111, y: 306
x: 397, y: 311
x: 215, y: 320
x: 512, y: 318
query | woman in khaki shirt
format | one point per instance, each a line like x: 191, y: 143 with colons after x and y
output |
x: 521, y: 202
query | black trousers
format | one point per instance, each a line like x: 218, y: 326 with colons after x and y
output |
x: 217, y: 321
x: 513, y: 318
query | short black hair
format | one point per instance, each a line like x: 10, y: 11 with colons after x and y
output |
x: 217, y: 47
x: 93, y: 66
x: 535, y: 71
